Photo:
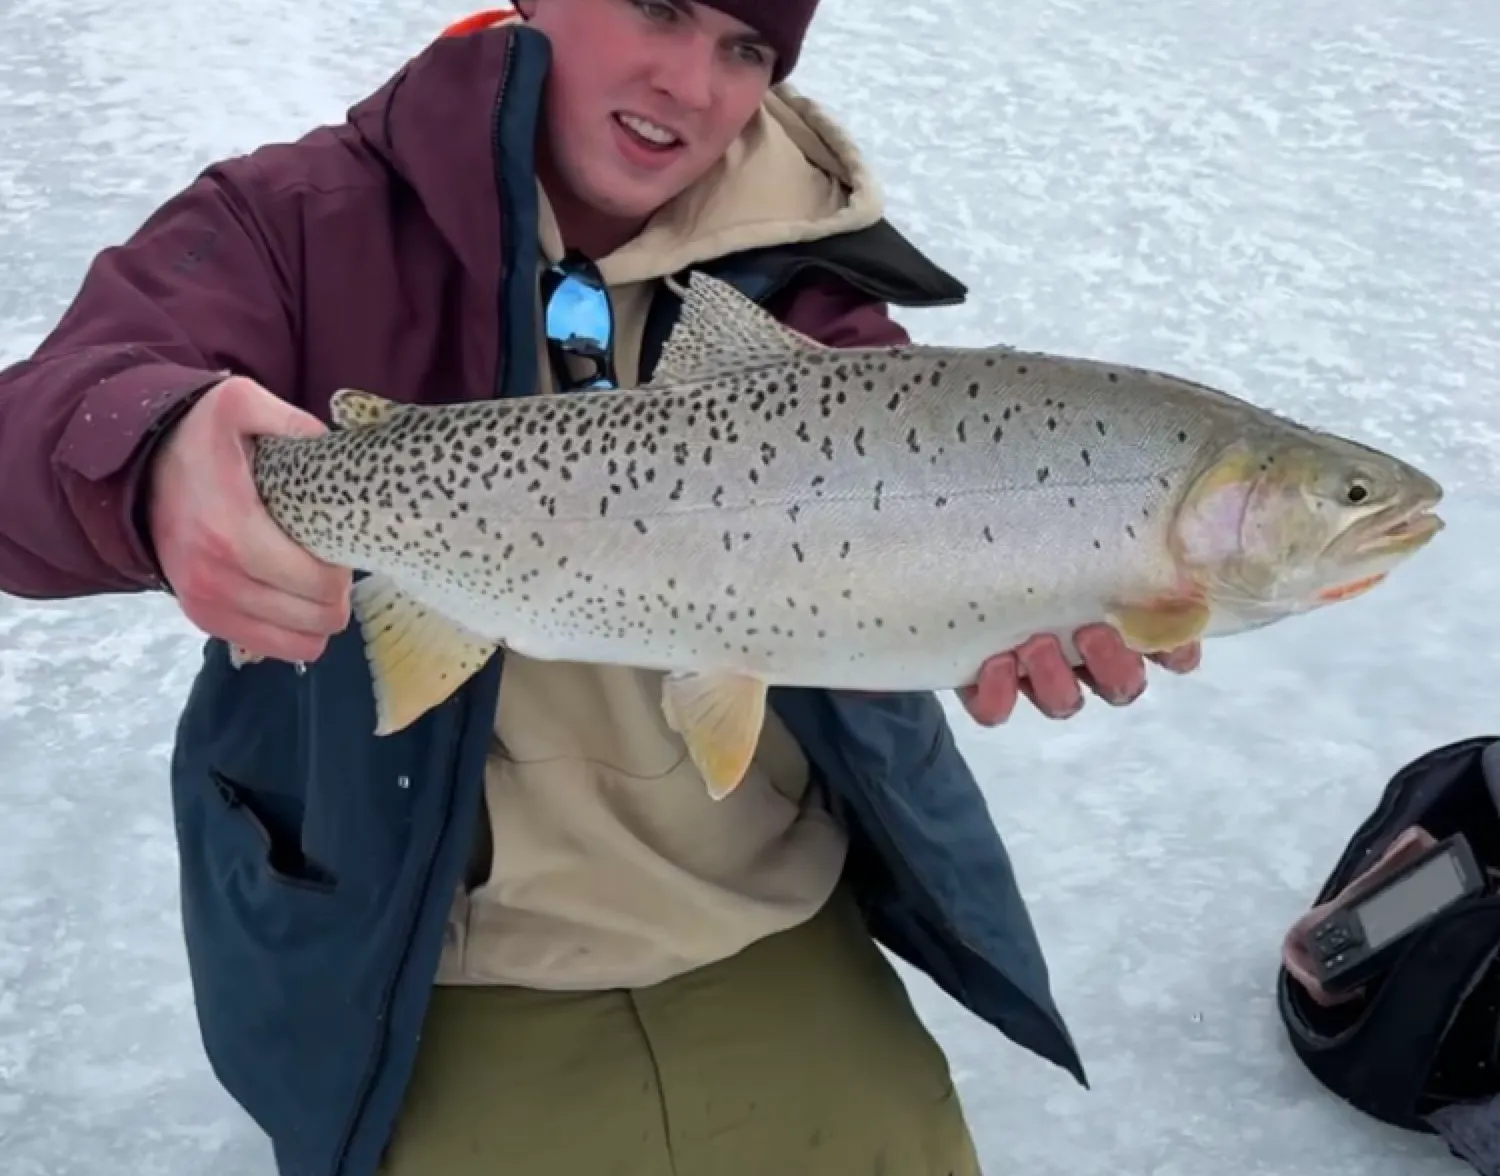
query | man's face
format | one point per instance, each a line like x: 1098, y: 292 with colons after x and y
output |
x: 645, y: 96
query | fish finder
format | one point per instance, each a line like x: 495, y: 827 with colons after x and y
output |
x: 1358, y: 940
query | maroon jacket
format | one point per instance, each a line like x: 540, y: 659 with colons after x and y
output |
x: 364, y: 255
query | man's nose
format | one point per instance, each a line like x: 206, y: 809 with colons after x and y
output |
x: 687, y: 72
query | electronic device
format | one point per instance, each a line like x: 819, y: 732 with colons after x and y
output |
x: 1357, y: 941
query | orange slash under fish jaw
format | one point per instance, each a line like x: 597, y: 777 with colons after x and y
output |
x: 1350, y: 590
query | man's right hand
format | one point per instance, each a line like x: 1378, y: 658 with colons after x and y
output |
x: 235, y: 573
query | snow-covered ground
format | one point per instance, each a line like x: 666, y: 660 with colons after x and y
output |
x: 1299, y: 199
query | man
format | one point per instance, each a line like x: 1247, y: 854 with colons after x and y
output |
x: 518, y: 936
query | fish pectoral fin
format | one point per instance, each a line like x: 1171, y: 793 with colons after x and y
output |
x: 417, y: 657
x: 719, y: 330
x: 720, y: 717
x: 352, y: 409
x: 1162, y: 625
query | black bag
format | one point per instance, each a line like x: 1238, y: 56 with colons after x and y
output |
x: 1422, y: 1042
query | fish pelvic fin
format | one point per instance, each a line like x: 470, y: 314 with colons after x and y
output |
x: 720, y: 717
x: 417, y: 657
x: 719, y: 330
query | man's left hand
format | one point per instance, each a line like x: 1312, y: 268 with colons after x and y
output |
x: 1038, y: 671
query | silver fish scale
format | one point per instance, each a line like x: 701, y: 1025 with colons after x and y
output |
x: 876, y: 519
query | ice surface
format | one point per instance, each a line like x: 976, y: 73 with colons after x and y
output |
x: 1297, y: 198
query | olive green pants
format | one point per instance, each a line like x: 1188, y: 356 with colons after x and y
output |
x: 802, y: 1054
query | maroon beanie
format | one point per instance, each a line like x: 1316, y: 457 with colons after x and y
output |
x: 783, y: 23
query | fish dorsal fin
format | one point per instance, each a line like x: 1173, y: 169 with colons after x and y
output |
x: 719, y: 330
x: 352, y: 409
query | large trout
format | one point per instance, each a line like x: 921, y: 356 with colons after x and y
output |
x: 771, y: 511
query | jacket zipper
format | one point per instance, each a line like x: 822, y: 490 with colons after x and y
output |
x: 451, y: 757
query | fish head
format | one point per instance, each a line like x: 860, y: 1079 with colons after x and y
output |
x: 1282, y: 524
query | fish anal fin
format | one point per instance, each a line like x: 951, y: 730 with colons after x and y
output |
x: 417, y: 657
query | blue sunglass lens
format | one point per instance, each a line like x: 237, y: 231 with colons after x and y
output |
x: 578, y: 310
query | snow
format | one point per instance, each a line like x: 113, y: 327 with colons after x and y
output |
x: 1298, y: 199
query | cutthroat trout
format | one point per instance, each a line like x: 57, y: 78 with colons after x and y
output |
x: 769, y: 511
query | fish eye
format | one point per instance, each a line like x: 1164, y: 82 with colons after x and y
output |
x: 1357, y: 491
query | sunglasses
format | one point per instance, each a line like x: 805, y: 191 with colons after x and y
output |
x: 580, y: 322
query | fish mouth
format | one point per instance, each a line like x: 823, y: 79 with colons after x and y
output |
x: 1400, y: 533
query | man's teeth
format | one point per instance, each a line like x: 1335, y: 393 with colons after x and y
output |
x: 648, y: 130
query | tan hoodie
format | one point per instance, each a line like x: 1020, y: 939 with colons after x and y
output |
x: 611, y: 865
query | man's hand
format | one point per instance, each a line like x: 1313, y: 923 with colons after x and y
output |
x: 1039, y: 671
x: 236, y: 574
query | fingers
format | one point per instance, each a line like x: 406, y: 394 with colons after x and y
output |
x: 255, y: 543
x: 1180, y: 661
x: 1051, y: 682
x: 263, y: 603
x: 249, y: 410
x: 992, y: 698
x: 236, y: 574
x: 268, y: 557
x: 1039, y: 671
x: 258, y: 639
x: 1115, y: 673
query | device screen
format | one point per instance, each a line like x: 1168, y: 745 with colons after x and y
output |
x: 1416, y: 896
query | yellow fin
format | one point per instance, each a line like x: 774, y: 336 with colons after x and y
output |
x: 1156, y: 628
x: 417, y: 658
x: 720, y: 717
x: 351, y: 409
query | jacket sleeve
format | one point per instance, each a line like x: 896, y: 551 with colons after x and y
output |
x: 196, y: 294
x: 835, y: 314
